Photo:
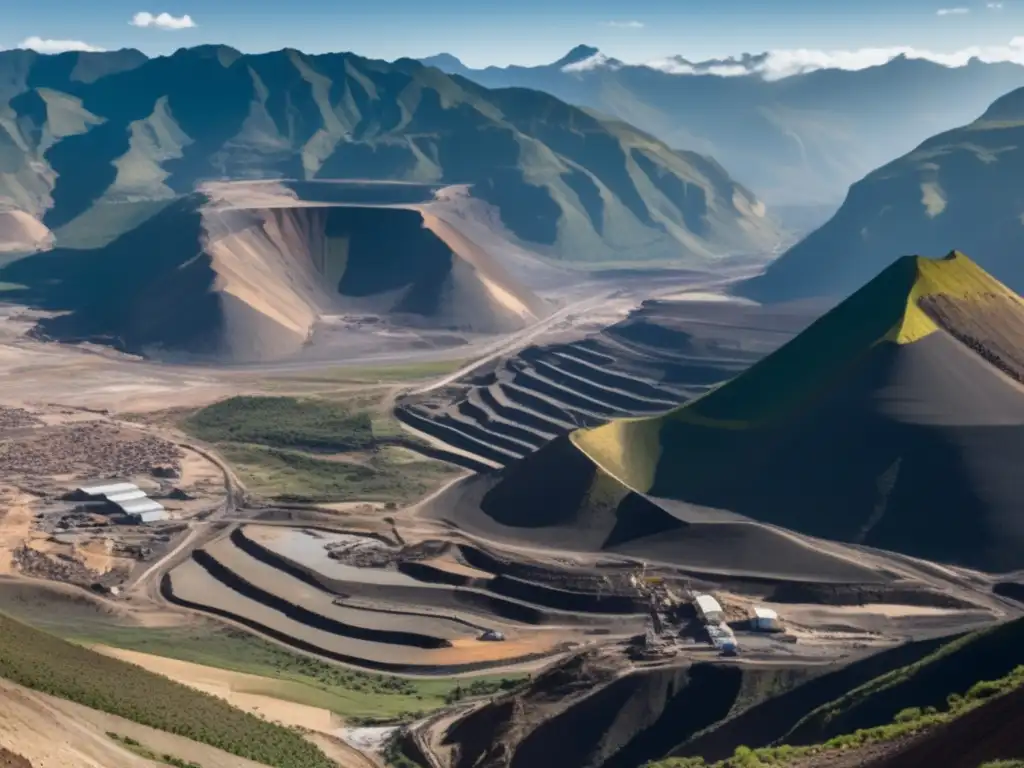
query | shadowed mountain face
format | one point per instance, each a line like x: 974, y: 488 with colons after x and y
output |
x: 915, y: 372
x: 961, y: 187
x: 258, y: 267
x: 800, y: 140
x: 82, y: 137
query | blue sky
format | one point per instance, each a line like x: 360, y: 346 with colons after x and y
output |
x: 527, y: 31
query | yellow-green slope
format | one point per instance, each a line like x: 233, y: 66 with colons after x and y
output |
x: 886, y: 310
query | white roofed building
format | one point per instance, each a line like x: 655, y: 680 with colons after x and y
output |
x: 708, y: 609
x: 765, y: 619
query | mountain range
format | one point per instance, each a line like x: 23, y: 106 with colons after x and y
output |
x: 83, y: 135
x: 796, y: 140
x: 960, y: 188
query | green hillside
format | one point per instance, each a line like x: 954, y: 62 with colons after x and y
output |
x: 958, y: 188
x: 573, y: 185
x: 43, y: 662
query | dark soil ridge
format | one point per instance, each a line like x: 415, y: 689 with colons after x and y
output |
x: 237, y: 583
x: 458, y: 598
x: 993, y: 731
x: 633, y: 368
x: 167, y: 591
x: 705, y: 709
x: 986, y: 655
x: 766, y: 723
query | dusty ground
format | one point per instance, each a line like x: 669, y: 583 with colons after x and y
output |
x: 15, y: 524
x: 53, y: 733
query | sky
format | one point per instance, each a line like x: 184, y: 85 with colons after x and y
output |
x: 800, y: 34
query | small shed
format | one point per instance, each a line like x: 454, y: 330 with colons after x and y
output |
x: 708, y: 609
x: 765, y: 619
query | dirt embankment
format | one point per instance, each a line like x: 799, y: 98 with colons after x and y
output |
x: 20, y: 232
x: 10, y: 760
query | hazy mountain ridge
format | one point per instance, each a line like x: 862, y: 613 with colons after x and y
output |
x: 799, y: 139
x: 960, y: 187
x: 129, y: 129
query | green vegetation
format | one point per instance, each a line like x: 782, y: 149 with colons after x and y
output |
x: 1004, y: 764
x: 987, y: 654
x: 145, y: 752
x: 907, y: 722
x: 289, y: 676
x: 295, y: 476
x: 277, y: 445
x: 46, y: 663
x: 283, y: 422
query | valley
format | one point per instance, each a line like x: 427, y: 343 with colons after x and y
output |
x: 398, y: 414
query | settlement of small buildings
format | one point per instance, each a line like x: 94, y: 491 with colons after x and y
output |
x: 125, y: 500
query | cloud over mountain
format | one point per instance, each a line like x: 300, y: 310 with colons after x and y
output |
x: 45, y: 45
x: 777, y: 64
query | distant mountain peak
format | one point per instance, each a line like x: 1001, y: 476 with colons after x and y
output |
x: 576, y: 55
x: 225, y: 54
x: 443, y: 61
x: 1008, y: 108
x: 584, y: 58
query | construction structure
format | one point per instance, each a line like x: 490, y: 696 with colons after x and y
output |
x: 765, y: 620
x: 708, y: 609
x: 126, y: 501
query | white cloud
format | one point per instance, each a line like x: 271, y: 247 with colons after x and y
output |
x: 994, y: 6
x: 952, y: 11
x: 775, y: 65
x: 162, y: 21
x: 597, y: 61
x: 42, y: 45
x: 624, y: 24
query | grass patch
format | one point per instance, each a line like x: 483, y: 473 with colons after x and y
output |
x: 43, y: 662
x: 283, y: 422
x: 146, y: 753
x: 295, y: 476
x: 355, y: 695
x: 278, y: 447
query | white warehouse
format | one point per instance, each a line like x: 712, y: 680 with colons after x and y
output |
x: 124, y: 499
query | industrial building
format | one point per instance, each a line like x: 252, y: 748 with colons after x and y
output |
x: 765, y: 620
x: 708, y: 609
x: 125, y: 500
